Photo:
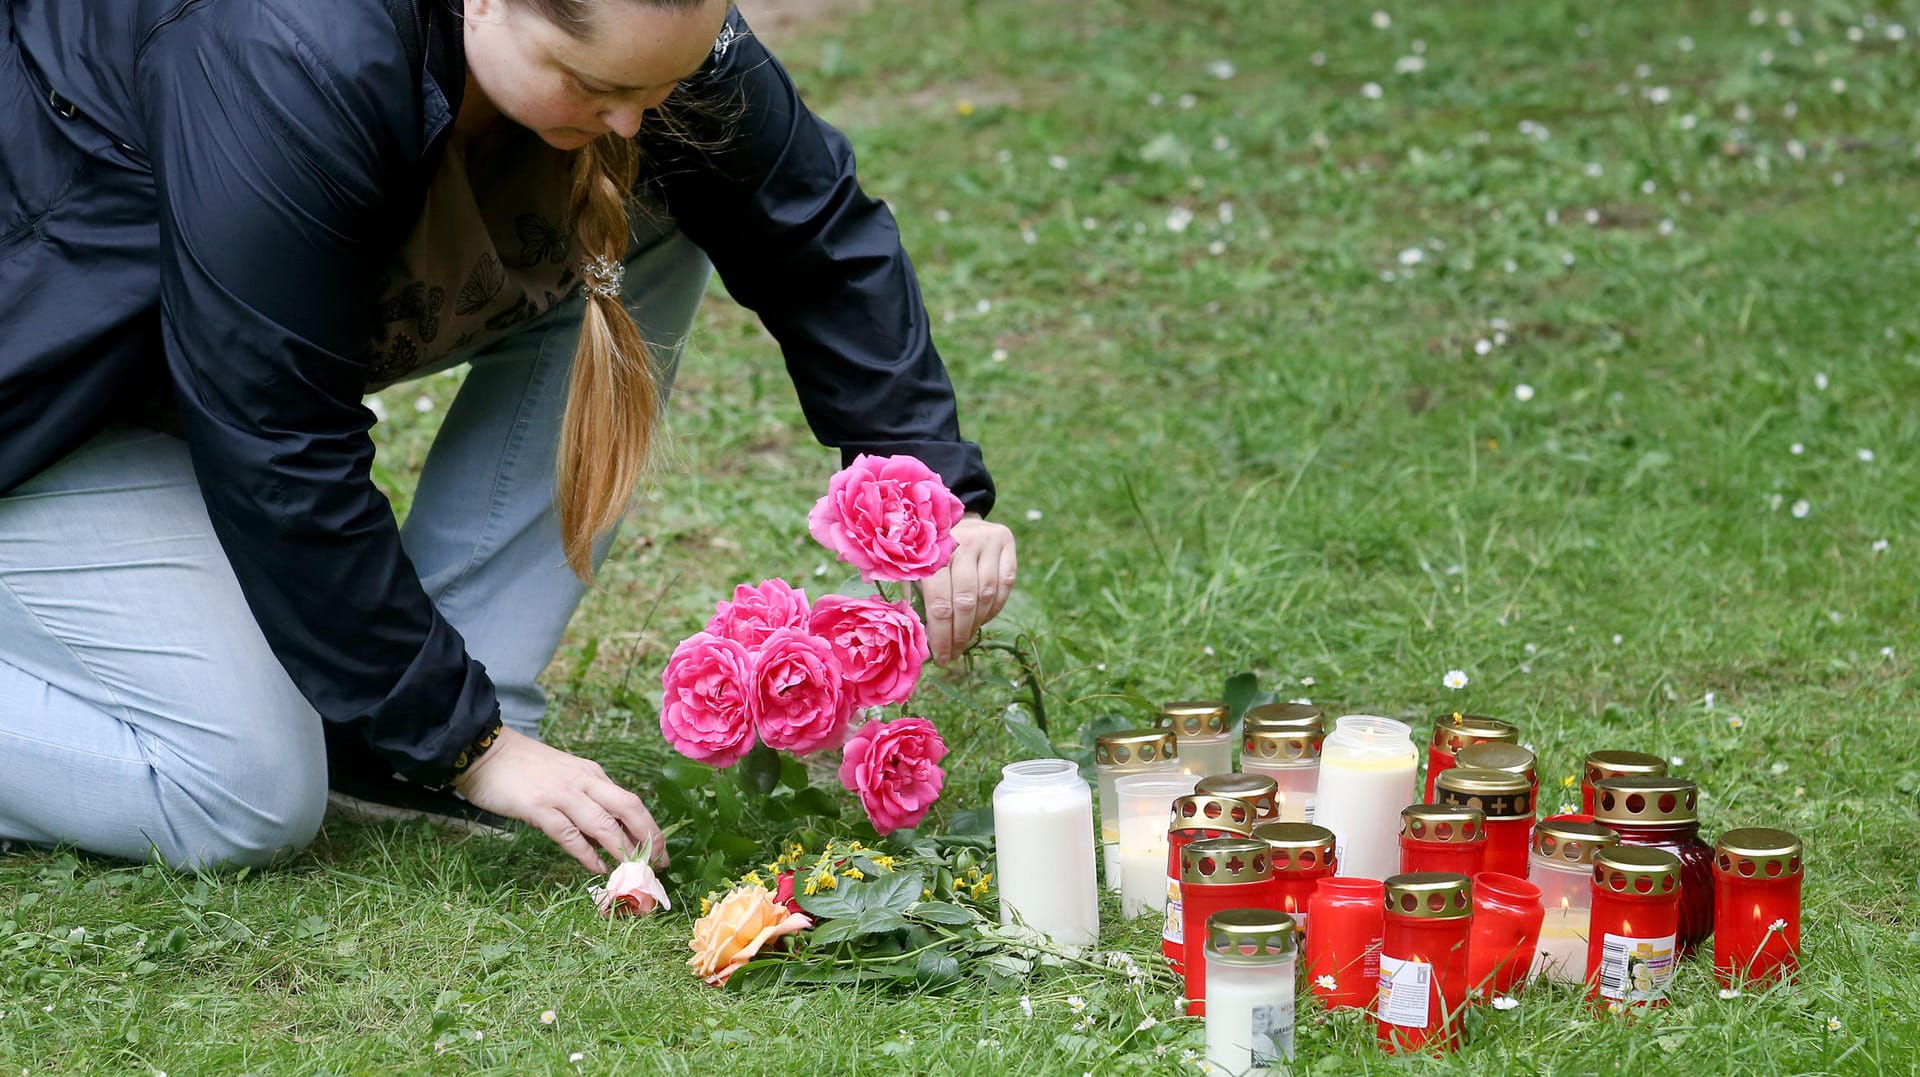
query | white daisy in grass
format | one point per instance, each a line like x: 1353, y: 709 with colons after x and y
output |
x: 1833, y: 1024
x: 1505, y: 1002
x: 1455, y: 679
x: 1879, y: 545
x: 1372, y: 91
x: 1382, y: 20
x: 1523, y: 392
x: 1729, y: 992
x: 1801, y: 508
x: 1325, y: 982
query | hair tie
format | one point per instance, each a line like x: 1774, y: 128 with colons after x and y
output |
x: 601, y: 276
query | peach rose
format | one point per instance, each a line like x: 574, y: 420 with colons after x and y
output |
x: 736, y: 929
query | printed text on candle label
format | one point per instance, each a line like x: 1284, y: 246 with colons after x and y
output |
x: 1404, y: 986
x: 1635, y: 970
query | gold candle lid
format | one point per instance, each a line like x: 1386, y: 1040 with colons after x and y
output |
x: 1501, y: 794
x: 1250, y: 936
x: 1200, y: 811
x: 1297, y: 846
x: 1452, y: 732
x: 1636, y: 871
x: 1497, y: 755
x: 1134, y: 747
x: 1219, y: 861
x: 1256, y: 789
x: 1646, y: 800
x: 1448, y: 824
x: 1430, y: 895
x: 1291, y: 717
x: 1570, y: 841
x: 1755, y: 853
x: 1194, y: 718
x: 1616, y: 764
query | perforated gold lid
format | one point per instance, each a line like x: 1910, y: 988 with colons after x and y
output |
x: 1430, y: 895
x: 1221, y: 861
x: 1454, y: 731
x: 1617, y: 764
x: 1646, y: 800
x: 1256, y: 789
x: 1292, y: 717
x: 1756, y: 853
x: 1497, y: 755
x: 1283, y: 734
x: 1297, y: 846
x: 1250, y: 936
x: 1201, y: 811
x: 1448, y: 824
x: 1501, y: 794
x: 1194, y: 718
x: 1134, y: 748
x: 1636, y: 871
x: 1570, y: 842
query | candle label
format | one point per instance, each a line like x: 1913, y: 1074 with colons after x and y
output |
x: 1635, y: 970
x: 1272, y: 1035
x: 1404, y: 987
x: 1174, y: 928
x: 1308, y: 806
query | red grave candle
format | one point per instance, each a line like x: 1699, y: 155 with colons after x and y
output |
x: 1302, y: 855
x: 1664, y: 813
x: 1636, y: 923
x: 1423, y: 961
x: 1217, y: 874
x: 1195, y: 817
x: 1614, y: 764
x: 1756, y: 898
x: 1503, y: 755
x: 1443, y: 837
x: 1506, y: 800
x: 1343, y: 949
x: 1452, y: 732
x: 1507, y: 914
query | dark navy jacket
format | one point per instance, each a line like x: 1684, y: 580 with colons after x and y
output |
x: 196, y: 197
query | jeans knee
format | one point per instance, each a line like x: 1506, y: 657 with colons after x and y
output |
x: 257, y: 812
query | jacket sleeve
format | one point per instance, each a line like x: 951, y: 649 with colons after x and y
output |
x: 768, y: 191
x: 272, y: 172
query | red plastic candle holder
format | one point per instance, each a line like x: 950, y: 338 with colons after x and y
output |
x: 1452, y: 732
x: 1756, y: 897
x: 1423, y: 961
x: 1507, y: 802
x: 1506, y: 930
x: 1302, y: 855
x: 1636, y: 923
x: 1443, y: 837
x: 1195, y: 817
x: 1343, y: 949
x: 1217, y: 874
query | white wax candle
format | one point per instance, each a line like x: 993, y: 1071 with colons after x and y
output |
x: 1360, y: 801
x: 1562, y: 956
x: 1204, y: 757
x: 1110, y: 857
x: 1044, y: 836
x: 1143, y: 867
x: 1249, y: 1017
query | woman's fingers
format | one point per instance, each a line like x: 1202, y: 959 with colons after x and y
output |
x: 1007, y: 570
x: 965, y: 568
x: 566, y: 833
x: 633, y: 817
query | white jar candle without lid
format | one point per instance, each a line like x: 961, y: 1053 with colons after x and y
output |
x: 1250, y: 990
x: 1115, y: 755
x: 1146, y: 803
x: 1043, y: 851
x: 1561, y: 865
x: 1367, y: 769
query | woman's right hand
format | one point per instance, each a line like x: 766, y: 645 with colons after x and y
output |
x: 568, y: 798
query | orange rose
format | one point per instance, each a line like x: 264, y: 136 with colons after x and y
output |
x: 736, y: 929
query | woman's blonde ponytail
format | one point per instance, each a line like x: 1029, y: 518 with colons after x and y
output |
x: 614, y: 399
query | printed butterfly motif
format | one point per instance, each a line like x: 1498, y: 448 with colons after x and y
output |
x: 540, y: 239
x: 482, y: 287
x: 419, y: 304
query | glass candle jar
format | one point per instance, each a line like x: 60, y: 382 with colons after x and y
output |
x: 1503, y: 755
x: 1146, y: 802
x: 1195, y: 817
x: 1443, y: 837
x: 1562, y: 867
x: 1452, y: 732
x: 1131, y: 751
x: 1664, y: 813
x: 1256, y: 789
x: 1636, y: 920
x: 1217, y: 874
x: 1343, y: 949
x: 1201, y: 728
x: 1285, y: 747
x: 1249, y: 954
x: 1302, y: 855
x: 1756, y: 899
x: 1507, y: 801
x: 1423, y: 960
x: 1615, y: 764
x: 1043, y: 852
x: 1506, y: 931
x: 1366, y: 776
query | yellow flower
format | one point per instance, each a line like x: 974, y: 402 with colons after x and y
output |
x: 854, y: 873
x: 979, y: 890
x: 706, y: 906
x: 964, y: 107
x: 812, y: 887
x: 828, y: 882
x: 882, y: 861
x: 752, y: 878
x: 926, y: 893
x: 1567, y: 782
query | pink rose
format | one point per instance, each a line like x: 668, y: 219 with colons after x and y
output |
x: 632, y: 888
x: 894, y: 766
x: 799, y: 692
x: 756, y: 612
x: 881, y: 646
x: 888, y: 516
x: 707, y: 712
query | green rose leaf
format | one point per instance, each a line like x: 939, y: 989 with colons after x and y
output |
x: 898, y: 891
x: 936, y: 968
x: 844, y: 902
x: 880, y: 921
x: 760, y: 770
x: 833, y: 931
x: 941, y: 912
x: 812, y: 801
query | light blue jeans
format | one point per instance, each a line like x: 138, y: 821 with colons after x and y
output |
x: 140, y: 707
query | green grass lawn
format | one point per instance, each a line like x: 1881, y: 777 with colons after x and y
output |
x: 1568, y: 345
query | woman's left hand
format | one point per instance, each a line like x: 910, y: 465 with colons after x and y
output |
x: 972, y: 589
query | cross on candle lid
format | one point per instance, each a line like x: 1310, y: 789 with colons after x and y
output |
x: 1454, y: 731
x: 1221, y: 861
x: 1501, y: 794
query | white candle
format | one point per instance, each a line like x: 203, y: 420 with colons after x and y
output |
x: 1298, y: 785
x: 1249, y: 1016
x: 1366, y: 776
x: 1562, y: 956
x: 1205, y: 756
x: 1044, y: 863
x: 1146, y: 804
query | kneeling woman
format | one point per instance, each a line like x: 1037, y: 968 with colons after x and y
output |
x: 221, y: 225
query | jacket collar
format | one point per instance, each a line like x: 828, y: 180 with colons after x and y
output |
x: 443, y: 77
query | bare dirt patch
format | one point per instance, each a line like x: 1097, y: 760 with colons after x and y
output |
x: 776, y: 20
